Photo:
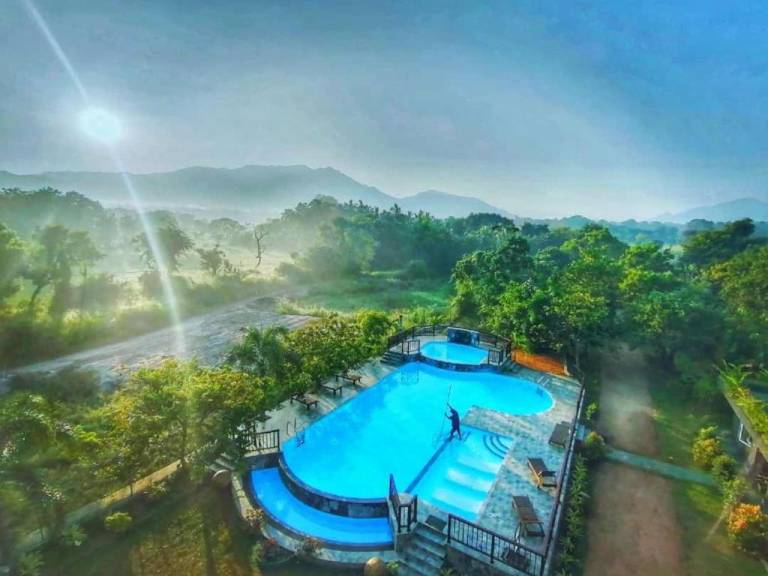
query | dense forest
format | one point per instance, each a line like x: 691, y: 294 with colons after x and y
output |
x: 75, y: 274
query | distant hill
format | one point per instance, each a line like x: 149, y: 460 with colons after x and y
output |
x: 722, y: 212
x: 444, y: 205
x: 247, y: 193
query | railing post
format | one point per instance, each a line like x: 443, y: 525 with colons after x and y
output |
x: 493, y: 547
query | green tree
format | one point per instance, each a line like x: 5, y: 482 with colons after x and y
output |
x: 57, y: 252
x: 263, y: 352
x: 214, y: 260
x: 11, y: 258
x: 172, y: 243
x: 706, y: 247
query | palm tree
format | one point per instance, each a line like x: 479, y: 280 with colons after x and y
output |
x: 262, y: 353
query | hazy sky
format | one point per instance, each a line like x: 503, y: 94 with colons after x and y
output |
x: 609, y: 109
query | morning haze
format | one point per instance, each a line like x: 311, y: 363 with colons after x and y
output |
x: 542, y: 109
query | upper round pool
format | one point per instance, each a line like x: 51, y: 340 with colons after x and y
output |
x: 454, y: 353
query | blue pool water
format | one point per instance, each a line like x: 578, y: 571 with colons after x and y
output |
x: 455, y: 353
x: 280, y: 503
x: 397, y: 425
x: 461, y: 477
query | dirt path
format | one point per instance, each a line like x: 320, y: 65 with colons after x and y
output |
x: 633, y: 529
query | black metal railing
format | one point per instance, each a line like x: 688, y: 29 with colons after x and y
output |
x: 562, y: 484
x: 251, y: 440
x: 496, y: 356
x: 406, y: 513
x: 495, y: 547
x: 412, y: 347
x: 487, y: 338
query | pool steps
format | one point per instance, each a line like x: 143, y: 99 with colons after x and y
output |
x: 424, y: 554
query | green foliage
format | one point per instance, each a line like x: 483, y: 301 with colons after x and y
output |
x: 393, y: 568
x: 748, y: 528
x: 755, y: 409
x: 171, y: 243
x: 11, y: 254
x: 214, y: 260
x: 29, y: 564
x: 591, y: 412
x: 73, y: 535
x: 723, y: 468
x: 574, y: 533
x: 707, y: 247
x: 594, y: 447
x: 257, y: 555
x: 118, y: 522
x: 706, y: 447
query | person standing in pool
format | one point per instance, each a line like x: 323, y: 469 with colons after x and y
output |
x: 453, y: 416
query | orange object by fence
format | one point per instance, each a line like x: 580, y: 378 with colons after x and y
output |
x: 540, y: 362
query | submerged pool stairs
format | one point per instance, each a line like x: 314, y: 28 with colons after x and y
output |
x: 425, y: 553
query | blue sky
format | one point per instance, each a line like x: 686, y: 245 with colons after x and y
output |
x: 611, y: 109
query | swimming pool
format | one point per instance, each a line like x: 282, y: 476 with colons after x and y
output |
x: 454, y: 353
x: 396, y: 426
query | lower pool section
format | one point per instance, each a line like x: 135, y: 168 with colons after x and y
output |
x: 279, y: 503
x: 460, y: 478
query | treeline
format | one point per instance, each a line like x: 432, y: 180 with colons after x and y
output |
x: 73, y: 273
x: 571, y: 293
x: 65, y: 442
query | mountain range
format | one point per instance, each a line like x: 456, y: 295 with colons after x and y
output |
x: 251, y: 193
x: 722, y: 212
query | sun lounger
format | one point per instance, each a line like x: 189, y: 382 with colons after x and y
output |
x: 529, y: 523
x: 560, y: 435
x: 543, y: 476
x: 307, y: 400
x: 333, y: 389
x: 353, y: 379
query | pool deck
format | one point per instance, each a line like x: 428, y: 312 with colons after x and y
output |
x: 531, y: 439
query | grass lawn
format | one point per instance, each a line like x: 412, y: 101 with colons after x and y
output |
x: 706, y: 547
x: 379, y: 291
x: 191, y: 532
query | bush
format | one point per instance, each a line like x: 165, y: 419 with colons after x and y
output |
x: 118, y: 522
x: 590, y: 413
x: 594, y: 447
x: 257, y: 555
x: 416, y: 269
x: 308, y: 548
x: 393, y: 568
x: 156, y: 491
x: 733, y: 492
x: 723, y: 468
x: 706, y: 447
x: 73, y: 536
x: 30, y: 564
x: 748, y: 528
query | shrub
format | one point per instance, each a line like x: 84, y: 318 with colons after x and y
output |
x: 723, y: 468
x: 257, y: 555
x: 733, y: 492
x: 748, y: 527
x: 309, y: 547
x: 255, y: 518
x: 393, y: 568
x: 118, y: 522
x: 706, y: 447
x: 30, y: 564
x: 416, y: 269
x: 73, y: 535
x: 156, y: 491
x: 591, y: 411
x: 594, y: 447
